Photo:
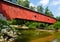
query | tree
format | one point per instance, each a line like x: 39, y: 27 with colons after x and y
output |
x: 32, y: 8
x: 58, y: 18
x: 40, y: 9
x: 48, y: 12
x: 24, y: 3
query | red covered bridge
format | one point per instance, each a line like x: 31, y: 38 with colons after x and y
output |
x: 13, y: 11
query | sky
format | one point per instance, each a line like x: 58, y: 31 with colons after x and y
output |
x: 54, y: 5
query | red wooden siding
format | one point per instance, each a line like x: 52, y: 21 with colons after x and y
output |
x: 12, y: 11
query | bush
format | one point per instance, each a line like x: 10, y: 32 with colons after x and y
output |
x: 16, y: 22
x: 57, y: 25
x: 50, y: 27
x: 4, y: 24
x: 32, y: 25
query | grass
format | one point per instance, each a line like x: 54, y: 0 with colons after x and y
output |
x: 27, y: 35
x: 57, y: 35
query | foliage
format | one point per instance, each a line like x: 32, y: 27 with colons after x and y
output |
x: 58, y: 18
x: 57, y: 25
x: 34, y: 25
x: 4, y: 24
x: 48, y: 12
x: 17, y: 22
x: 46, y: 26
x: 32, y: 8
x: 50, y: 27
x: 41, y: 26
x: 31, y: 24
x: 40, y: 9
x: 12, y: 22
x: 23, y: 3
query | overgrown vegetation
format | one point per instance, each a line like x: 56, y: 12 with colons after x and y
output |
x: 2, y: 24
x: 28, y: 35
x: 57, y: 26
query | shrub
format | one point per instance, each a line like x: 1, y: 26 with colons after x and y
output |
x: 50, y: 27
x: 4, y: 24
x: 32, y: 25
x: 57, y: 25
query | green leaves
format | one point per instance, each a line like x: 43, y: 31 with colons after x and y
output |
x: 57, y: 25
x: 58, y: 18
x: 3, y: 22
x: 48, y: 12
x: 23, y: 3
x: 32, y: 24
x: 40, y: 9
x: 32, y: 8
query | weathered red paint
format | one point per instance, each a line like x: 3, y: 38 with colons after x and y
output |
x: 12, y: 11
